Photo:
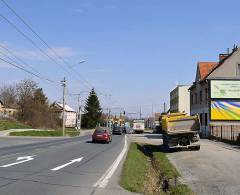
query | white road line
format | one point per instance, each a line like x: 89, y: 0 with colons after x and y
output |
x: 103, y: 181
x: 69, y: 163
x: 23, y: 158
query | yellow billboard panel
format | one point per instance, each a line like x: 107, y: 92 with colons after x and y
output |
x: 225, y: 110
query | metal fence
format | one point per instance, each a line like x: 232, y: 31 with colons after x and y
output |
x: 226, y: 132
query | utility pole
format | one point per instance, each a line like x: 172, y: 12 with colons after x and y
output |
x: 164, y: 107
x: 140, y: 112
x: 80, y: 117
x: 64, y: 92
x: 107, y: 117
x: 153, y: 117
x: 79, y: 114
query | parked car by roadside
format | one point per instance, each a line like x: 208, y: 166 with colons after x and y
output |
x: 102, y: 135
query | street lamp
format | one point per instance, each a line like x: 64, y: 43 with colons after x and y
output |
x: 80, y: 62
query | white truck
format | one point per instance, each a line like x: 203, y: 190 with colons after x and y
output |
x: 138, y: 126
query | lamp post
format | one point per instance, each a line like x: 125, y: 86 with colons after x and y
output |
x: 80, y: 62
x: 79, y: 105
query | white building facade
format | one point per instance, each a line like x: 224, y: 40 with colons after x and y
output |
x: 70, y: 115
x: 180, y: 99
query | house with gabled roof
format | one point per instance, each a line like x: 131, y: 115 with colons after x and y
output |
x: 227, y: 68
x: 7, y: 112
x: 70, y: 114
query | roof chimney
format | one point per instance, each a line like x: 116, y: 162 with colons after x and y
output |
x: 222, y: 56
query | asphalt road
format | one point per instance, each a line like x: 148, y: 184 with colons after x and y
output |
x: 215, y: 169
x: 60, y: 166
x: 9, y: 141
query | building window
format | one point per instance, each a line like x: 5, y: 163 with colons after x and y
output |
x: 200, y: 97
x: 206, y: 119
x: 195, y: 98
x: 238, y: 70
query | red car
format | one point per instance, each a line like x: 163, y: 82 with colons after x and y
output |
x: 102, y: 135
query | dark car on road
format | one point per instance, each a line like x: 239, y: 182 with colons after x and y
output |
x: 118, y: 130
x: 102, y: 135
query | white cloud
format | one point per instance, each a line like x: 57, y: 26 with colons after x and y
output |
x: 35, y: 55
x: 62, y: 51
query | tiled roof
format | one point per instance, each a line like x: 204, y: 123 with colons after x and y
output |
x: 205, y: 68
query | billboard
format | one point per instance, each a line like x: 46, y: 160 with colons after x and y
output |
x: 225, y: 110
x: 225, y: 89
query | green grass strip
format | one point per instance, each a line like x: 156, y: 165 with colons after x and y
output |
x: 134, y: 169
x: 37, y: 133
x: 165, y: 165
x: 8, y: 124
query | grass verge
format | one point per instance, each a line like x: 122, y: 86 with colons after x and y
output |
x: 45, y: 133
x: 37, y: 133
x: 72, y: 132
x: 10, y: 124
x: 134, y: 169
x: 147, y: 168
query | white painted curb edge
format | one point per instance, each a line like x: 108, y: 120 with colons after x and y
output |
x: 103, y: 181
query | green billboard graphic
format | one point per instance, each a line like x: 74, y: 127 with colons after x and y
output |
x: 225, y: 88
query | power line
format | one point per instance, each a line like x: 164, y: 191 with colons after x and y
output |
x: 24, y: 64
x: 31, y: 41
x: 25, y: 70
x: 43, y: 41
x: 21, y: 68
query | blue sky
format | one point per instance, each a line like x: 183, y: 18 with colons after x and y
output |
x: 135, y: 50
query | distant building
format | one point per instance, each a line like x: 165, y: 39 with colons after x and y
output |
x: 70, y: 114
x: 7, y: 112
x: 215, y: 94
x: 180, y: 99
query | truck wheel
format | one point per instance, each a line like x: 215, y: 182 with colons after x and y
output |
x: 196, y: 147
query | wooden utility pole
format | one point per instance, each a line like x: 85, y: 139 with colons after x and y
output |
x: 63, y: 119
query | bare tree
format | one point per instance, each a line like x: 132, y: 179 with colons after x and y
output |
x: 32, y: 103
x: 25, y: 93
x: 8, y: 95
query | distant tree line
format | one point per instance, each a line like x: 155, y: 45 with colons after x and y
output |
x: 32, y: 104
